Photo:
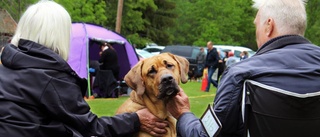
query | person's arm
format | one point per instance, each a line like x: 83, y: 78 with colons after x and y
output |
x: 103, y: 57
x: 227, y: 103
x: 151, y: 124
x: 216, y: 58
x: 188, y: 125
x: 204, y: 57
x: 64, y: 103
x: 207, y: 60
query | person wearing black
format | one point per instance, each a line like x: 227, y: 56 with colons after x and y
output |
x: 109, y: 59
x: 221, y: 66
x: 40, y: 94
x: 212, y: 61
x: 285, y: 61
x: 201, y: 58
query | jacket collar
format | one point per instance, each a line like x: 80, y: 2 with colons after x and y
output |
x: 280, y: 42
x: 29, y: 54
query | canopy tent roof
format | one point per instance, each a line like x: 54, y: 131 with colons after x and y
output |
x: 85, y: 47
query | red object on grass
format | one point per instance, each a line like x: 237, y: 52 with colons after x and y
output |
x: 204, y: 80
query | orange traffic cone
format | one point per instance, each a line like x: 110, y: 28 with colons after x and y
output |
x: 91, y: 97
x: 204, y: 80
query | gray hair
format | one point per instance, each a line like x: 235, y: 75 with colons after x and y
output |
x: 289, y: 15
x: 48, y: 24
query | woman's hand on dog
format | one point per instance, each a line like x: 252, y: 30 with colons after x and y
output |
x: 179, y: 104
x: 151, y: 124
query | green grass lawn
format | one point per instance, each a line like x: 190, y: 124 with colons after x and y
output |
x: 199, y: 100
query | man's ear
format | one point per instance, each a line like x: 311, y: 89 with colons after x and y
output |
x: 183, y: 67
x: 269, y: 27
x: 134, y: 80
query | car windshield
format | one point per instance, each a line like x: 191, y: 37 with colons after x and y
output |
x: 185, y: 51
x: 237, y: 53
x: 251, y: 53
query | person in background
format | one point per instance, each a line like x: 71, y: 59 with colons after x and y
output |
x: 201, y: 58
x: 279, y: 31
x: 244, y: 55
x: 221, y: 65
x: 43, y: 96
x: 94, y: 67
x: 109, y: 59
x: 231, y: 59
x: 212, y: 61
x: 225, y: 58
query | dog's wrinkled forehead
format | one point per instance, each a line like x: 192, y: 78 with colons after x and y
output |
x: 157, y: 62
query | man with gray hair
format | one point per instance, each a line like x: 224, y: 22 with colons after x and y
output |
x: 285, y: 60
x: 42, y: 96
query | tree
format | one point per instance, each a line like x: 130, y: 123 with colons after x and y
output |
x: 159, y: 20
x: 313, y: 11
x: 184, y: 22
x: 16, y: 7
x: 91, y: 11
x: 219, y: 21
x: 134, y: 24
x: 144, y: 20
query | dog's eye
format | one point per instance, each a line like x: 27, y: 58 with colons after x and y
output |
x: 169, y: 66
x: 152, y: 71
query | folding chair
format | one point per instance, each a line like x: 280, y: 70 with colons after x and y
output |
x: 272, y: 112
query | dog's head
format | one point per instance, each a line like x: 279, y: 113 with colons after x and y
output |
x: 158, y: 75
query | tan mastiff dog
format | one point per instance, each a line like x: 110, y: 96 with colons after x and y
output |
x: 154, y: 81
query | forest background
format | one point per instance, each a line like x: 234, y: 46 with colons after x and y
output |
x: 172, y: 22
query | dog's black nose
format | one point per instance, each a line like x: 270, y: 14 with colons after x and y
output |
x: 166, y: 78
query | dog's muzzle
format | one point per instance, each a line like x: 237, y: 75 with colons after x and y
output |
x: 168, y: 87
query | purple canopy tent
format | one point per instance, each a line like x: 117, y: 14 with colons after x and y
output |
x: 85, y: 47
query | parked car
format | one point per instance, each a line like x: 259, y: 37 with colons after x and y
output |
x: 189, y: 52
x: 143, y: 54
x: 154, y: 49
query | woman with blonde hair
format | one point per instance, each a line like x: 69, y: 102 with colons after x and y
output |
x: 41, y: 96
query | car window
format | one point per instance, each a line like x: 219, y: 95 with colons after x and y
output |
x: 144, y: 54
x: 237, y: 53
x: 152, y: 50
x: 222, y: 53
x: 149, y: 50
x: 195, y: 52
x: 183, y: 51
x: 179, y: 50
x: 251, y: 53
x: 158, y: 50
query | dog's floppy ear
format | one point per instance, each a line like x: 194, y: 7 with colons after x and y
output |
x: 134, y: 80
x: 184, y: 67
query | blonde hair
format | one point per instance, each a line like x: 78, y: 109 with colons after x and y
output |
x: 289, y: 15
x: 48, y: 24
